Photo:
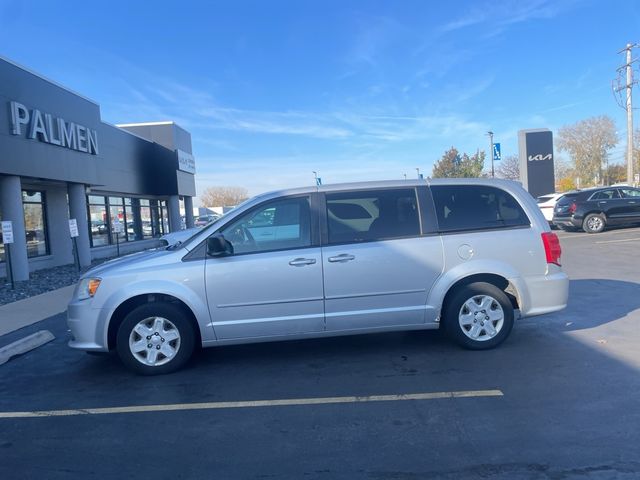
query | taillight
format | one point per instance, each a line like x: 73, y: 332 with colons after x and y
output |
x: 552, y: 247
x: 572, y: 207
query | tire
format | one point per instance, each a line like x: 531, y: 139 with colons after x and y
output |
x: 466, y: 318
x: 169, y: 343
x: 594, y: 223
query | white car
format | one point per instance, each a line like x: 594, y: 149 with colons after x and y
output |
x: 547, y: 203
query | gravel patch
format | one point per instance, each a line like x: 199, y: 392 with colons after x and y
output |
x: 42, y: 281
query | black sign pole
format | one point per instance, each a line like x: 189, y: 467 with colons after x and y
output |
x: 76, y: 256
x: 7, y: 247
x: 117, y: 243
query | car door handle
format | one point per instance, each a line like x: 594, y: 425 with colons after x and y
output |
x: 343, y: 257
x: 632, y: 201
x: 301, y: 262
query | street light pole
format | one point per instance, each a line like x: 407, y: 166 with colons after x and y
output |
x: 490, y: 133
x: 418, y: 171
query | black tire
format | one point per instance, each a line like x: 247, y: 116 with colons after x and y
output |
x: 594, y: 223
x: 454, y: 308
x: 174, y: 316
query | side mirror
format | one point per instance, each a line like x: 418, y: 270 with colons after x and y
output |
x: 218, y: 246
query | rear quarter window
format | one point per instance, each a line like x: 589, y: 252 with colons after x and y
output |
x: 568, y: 198
x: 476, y: 207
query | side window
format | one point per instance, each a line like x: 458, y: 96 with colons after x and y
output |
x: 605, y: 195
x: 372, y: 215
x: 476, y: 207
x: 630, y: 193
x: 276, y: 225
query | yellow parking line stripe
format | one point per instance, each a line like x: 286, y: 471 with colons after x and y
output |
x: 252, y: 404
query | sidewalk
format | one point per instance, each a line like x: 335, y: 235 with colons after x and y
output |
x: 22, y: 313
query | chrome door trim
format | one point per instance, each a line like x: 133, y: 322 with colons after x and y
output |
x: 378, y: 310
x: 269, y: 319
x: 376, y: 294
x: 269, y: 302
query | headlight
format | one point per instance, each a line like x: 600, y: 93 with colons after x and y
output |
x: 88, y: 288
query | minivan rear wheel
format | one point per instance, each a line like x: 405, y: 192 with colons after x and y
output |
x: 155, y: 338
x: 478, y: 316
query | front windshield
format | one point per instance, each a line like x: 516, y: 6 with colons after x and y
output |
x: 186, y: 242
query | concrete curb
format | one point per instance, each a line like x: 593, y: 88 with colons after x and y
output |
x: 25, y: 345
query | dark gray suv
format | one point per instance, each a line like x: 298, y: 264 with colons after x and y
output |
x: 594, y: 209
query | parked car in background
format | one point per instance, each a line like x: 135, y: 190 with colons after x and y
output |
x: 547, y: 203
x: 465, y: 255
x: 203, y: 220
x: 594, y: 209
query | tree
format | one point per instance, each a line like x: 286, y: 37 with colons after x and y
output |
x: 223, y: 196
x: 509, y: 168
x: 588, y: 143
x: 566, y: 184
x: 454, y: 165
x: 617, y: 173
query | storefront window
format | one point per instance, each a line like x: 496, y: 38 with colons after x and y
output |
x: 164, y: 216
x: 145, y: 218
x: 138, y: 218
x: 98, y: 221
x: 2, y: 259
x: 33, y: 203
x: 118, y: 220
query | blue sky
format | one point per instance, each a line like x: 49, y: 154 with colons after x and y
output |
x: 356, y: 90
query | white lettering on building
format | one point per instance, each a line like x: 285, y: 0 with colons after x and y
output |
x: 54, y: 130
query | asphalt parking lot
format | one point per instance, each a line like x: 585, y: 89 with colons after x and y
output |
x: 558, y: 400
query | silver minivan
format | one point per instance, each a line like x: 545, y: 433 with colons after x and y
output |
x: 467, y: 255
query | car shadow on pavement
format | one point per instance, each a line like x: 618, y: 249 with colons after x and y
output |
x: 595, y: 302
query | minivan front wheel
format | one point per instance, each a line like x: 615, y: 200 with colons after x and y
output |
x: 478, y: 316
x: 155, y: 338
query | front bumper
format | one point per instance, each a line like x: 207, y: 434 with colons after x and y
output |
x: 86, y: 326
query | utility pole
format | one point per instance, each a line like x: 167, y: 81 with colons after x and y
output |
x: 490, y: 133
x: 628, y: 87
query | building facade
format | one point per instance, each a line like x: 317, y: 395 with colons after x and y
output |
x: 124, y: 185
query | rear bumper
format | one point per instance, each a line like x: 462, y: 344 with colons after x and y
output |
x: 569, y: 221
x: 544, y: 294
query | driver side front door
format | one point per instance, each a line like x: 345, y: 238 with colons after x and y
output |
x: 272, y: 284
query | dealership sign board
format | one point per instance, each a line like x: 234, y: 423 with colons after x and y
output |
x: 7, y: 232
x: 42, y: 126
x: 73, y: 228
x: 536, y: 161
x: 186, y: 162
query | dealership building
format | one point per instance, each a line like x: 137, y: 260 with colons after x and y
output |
x: 124, y: 185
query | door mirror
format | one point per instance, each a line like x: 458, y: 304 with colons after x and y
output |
x: 218, y: 246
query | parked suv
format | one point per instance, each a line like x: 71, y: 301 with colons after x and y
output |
x: 466, y: 255
x: 595, y: 209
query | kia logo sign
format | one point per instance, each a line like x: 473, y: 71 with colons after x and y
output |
x: 536, y: 161
x: 537, y: 158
